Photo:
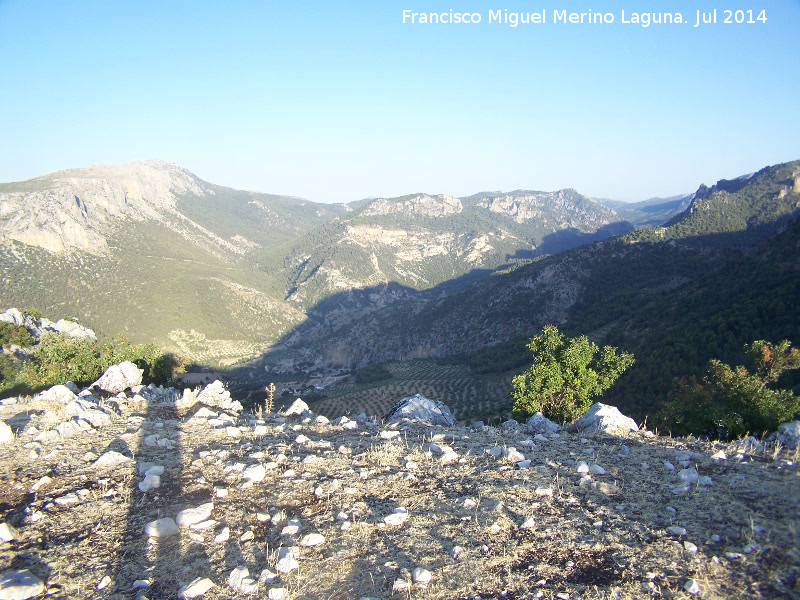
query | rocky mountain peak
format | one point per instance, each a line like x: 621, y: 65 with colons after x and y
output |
x: 441, y: 205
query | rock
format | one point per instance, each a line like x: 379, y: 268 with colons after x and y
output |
x: 223, y: 536
x: 605, y: 418
x: 420, y: 408
x: 421, y: 576
x: 161, y: 528
x: 397, y: 518
x: 692, y: 587
x: 583, y: 466
x: 72, y: 329
x: 8, y: 533
x: 293, y: 527
x: 389, y: 434
x: 513, y: 455
x: 190, y: 516
x: 674, y: 530
x: 456, y: 552
x: 277, y: 594
x: 6, y: 433
x: 286, y: 559
x: 254, y: 473
x: 20, y: 585
x: 150, y: 482
x: 297, y: 408
x: 196, y: 588
x: 58, y: 393
x: 112, y: 458
x: 104, y: 583
x: 609, y: 489
x: 312, y: 539
x: 538, y: 423
x: 118, y: 378
x: 240, y: 580
x: 528, y: 523
x: 688, y: 476
x: 597, y: 470
x: 789, y: 434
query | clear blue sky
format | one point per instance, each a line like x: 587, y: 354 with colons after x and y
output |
x: 336, y: 101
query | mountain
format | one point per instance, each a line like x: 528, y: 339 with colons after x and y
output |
x: 674, y: 299
x: 150, y: 250
x: 648, y: 213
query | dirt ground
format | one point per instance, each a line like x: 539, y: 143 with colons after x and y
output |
x: 464, y: 524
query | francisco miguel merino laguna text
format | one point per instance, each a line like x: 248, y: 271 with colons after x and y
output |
x: 513, y: 19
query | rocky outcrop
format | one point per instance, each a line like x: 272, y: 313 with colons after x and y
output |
x: 38, y: 327
x: 420, y: 205
x: 419, y: 408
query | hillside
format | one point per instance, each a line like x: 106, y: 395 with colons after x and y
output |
x: 652, y: 212
x: 151, y: 493
x: 675, y: 303
x: 219, y: 275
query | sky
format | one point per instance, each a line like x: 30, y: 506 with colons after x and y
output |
x: 339, y: 101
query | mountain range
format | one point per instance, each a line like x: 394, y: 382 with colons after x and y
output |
x: 226, y: 276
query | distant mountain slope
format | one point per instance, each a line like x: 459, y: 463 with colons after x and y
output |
x: 219, y: 274
x: 675, y: 303
x: 648, y: 213
x: 421, y: 241
x: 735, y: 213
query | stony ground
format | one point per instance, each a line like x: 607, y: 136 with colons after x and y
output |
x: 395, y: 516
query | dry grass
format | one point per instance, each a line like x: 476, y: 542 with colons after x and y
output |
x: 567, y: 552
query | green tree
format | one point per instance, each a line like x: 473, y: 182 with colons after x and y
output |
x: 565, y: 375
x: 730, y: 402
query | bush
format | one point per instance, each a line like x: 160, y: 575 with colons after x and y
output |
x: 565, y: 376
x: 15, y: 334
x: 730, y: 402
x: 59, y: 358
x: 371, y: 373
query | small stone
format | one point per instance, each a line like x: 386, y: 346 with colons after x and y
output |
x: 8, y: 533
x: 401, y: 585
x: 223, y: 536
x: 150, y: 482
x: 421, y: 576
x: 161, y: 528
x: 395, y: 519
x: 104, y: 583
x: 609, y: 489
x: 583, y: 467
x: 277, y: 594
x: 112, y: 459
x: 6, y: 433
x: 674, y: 530
x: 220, y: 492
x: 692, y: 587
x: 543, y: 491
x: 247, y: 536
x: 312, y: 539
x: 597, y: 470
x: 141, y: 584
x: 456, y: 552
x: 524, y: 464
x: 190, y: 516
x: 196, y: 588
x: 239, y: 580
x: 669, y: 466
x: 254, y: 473
x: 293, y: 527
x: 690, y: 547
x: 267, y: 576
x: 20, y: 585
x: 512, y: 455
x: 287, y: 559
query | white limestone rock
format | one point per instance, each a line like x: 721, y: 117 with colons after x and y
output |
x: 297, y: 408
x: 8, y: 533
x: 20, y: 585
x: 195, y: 589
x: 112, y: 458
x: 312, y: 539
x: 420, y: 408
x: 161, y: 528
x: 6, y: 433
x: 605, y: 418
x: 254, y: 473
x: 118, y: 378
x: 789, y: 434
x: 239, y: 580
x: 538, y: 423
x: 286, y: 559
x: 190, y: 516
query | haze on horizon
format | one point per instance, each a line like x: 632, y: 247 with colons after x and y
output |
x: 338, y: 103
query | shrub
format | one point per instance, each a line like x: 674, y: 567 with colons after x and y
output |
x: 565, y: 376
x: 15, y: 334
x: 730, y: 402
x: 59, y: 358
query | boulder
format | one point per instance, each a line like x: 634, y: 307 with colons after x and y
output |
x: 298, y: 408
x: 118, y: 378
x: 789, y: 434
x: 422, y: 409
x: 73, y: 329
x: 58, y: 393
x: 605, y: 418
x: 538, y: 423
